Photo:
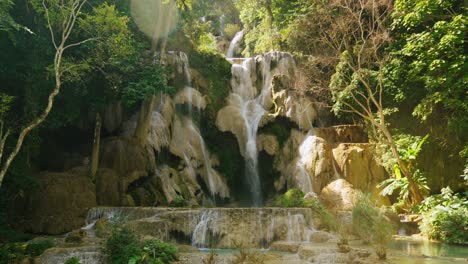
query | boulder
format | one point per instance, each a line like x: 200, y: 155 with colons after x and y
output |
x: 357, y: 165
x: 339, y: 195
x: 58, y: 205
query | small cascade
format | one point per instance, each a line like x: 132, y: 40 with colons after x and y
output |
x: 298, y: 230
x: 212, y: 182
x: 304, y: 148
x: 217, y: 227
x: 203, y: 228
x: 235, y: 44
x: 181, y: 63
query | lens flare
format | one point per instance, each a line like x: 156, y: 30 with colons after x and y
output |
x: 155, y: 18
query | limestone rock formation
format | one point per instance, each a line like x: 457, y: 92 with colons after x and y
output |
x: 113, y: 117
x: 342, y: 134
x: 358, y: 166
x: 191, y: 97
x: 305, y: 162
x: 59, y: 204
x: 298, y: 109
x: 122, y: 163
x: 267, y: 143
x: 339, y: 195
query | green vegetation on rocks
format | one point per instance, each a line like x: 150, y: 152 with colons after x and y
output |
x: 123, y: 247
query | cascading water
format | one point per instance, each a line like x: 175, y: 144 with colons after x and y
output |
x: 252, y: 105
x: 304, y: 149
x: 235, y: 43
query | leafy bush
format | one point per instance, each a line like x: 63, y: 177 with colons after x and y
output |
x: 36, y: 248
x: 292, y: 198
x: 409, y: 148
x: 13, y: 252
x: 371, y: 225
x: 155, y: 252
x: 73, y: 261
x: 123, y: 247
x: 230, y: 30
x: 444, y: 217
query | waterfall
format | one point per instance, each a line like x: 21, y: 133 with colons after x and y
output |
x: 235, y: 42
x: 251, y: 100
x: 203, y: 227
x: 206, y: 158
x: 304, y: 149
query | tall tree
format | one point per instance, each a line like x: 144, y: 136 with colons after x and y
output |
x: 99, y: 38
x: 352, y: 36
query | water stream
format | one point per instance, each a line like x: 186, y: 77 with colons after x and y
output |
x: 235, y: 43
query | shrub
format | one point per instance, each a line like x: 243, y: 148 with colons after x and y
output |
x: 292, y: 198
x: 371, y: 225
x: 14, y: 252
x: 123, y: 247
x: 444, y: 217
x: 73, y: 261
x: 36, y: 248
x: 155, y: 251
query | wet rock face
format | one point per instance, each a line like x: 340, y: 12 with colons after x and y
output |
x: 305, y: 163
x: 58, y: 205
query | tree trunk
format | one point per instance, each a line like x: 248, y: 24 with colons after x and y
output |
x: 96, y: 144
x: 144, y: 120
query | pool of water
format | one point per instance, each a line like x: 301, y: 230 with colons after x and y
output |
x: 405, y: 250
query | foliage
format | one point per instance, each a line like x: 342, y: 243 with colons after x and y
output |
x: 292, y: 198
x: 444, y: 217
x: 217, y: 72
x: 230, y: 30
x: 150, y: 81
x: 429, y: 65
x: 371, y: 224
x: 123, y: 247
x: 409, y: 148
x: 179, y: 201
x: 155, y: 252
x: 73, y: 261
x: 328, y: 220
x: 18, y: 251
